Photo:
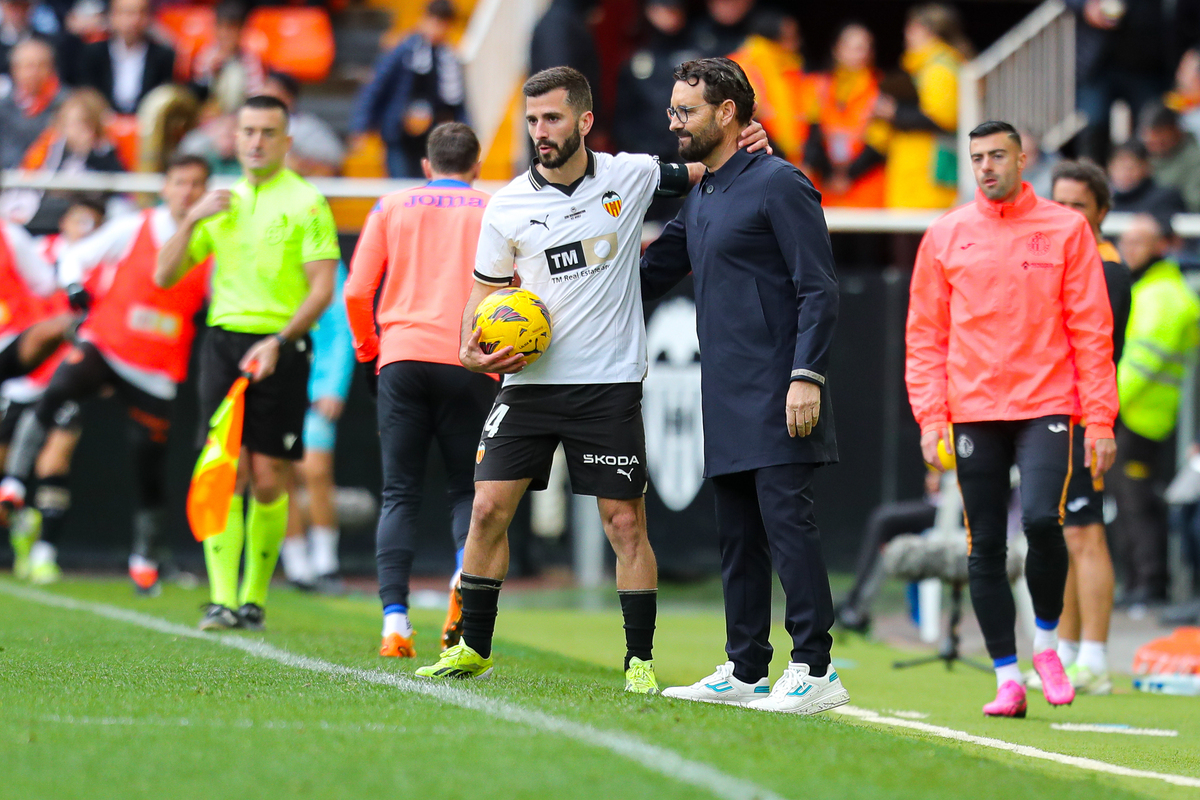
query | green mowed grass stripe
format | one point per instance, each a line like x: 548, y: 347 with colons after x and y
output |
x: 566, y: 664
x: 688, y: 646
x: 700, y: 775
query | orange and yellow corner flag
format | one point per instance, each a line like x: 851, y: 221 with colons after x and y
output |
x: 215, y: 477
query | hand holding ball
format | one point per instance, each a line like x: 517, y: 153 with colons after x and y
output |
x: 515, y: 318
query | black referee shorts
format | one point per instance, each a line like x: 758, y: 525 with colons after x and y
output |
x: 599, y: 425
x: 275, y: 406
x: 1085, y: 505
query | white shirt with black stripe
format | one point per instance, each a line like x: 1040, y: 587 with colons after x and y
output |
x: 578, y: 248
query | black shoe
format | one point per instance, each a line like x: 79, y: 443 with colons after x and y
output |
x: 302, y: 586
x: 219, y: 618
x: 850, y: 618
x: 1181, y: 614
x: 252, y: 617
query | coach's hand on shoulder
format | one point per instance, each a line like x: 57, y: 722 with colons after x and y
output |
x: 929, y: 447
x: 803, y: 408
x: 260, y: 360
x: 213, y: 202
x: 754, y: 138
x: 502, y: 362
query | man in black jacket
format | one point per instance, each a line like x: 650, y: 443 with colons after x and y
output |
x: 1133, y: 186
x: 753, y: 234
x: 129, y: 64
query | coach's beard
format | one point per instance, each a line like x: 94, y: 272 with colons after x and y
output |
x: 697, y: 146
x: 561, y: 154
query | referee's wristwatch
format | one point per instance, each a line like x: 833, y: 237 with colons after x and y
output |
x: 281, y: 340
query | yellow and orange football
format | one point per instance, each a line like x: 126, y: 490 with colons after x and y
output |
x: 515, y: 318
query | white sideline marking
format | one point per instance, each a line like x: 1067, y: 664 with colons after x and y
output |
x: 236, y: 724
x: 1020, y: 749
x: 1080, y: 727
x: 654, y: 758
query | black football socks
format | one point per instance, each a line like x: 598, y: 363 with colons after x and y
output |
x: 639, y: 607
x: 479, y: 598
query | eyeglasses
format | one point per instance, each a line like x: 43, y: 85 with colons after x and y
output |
x: 681, y: 112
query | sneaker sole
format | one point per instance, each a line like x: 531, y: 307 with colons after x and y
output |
x: 713, y: 701
x: 817, y: 706
x: 1019, y: 715
x: 483, y: 676
x: 215, y: 626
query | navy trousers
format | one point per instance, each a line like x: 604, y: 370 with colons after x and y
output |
x: 765, y: 519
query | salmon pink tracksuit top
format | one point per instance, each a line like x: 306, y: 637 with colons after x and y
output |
x: 421, y: 244
x: 1008, y: 318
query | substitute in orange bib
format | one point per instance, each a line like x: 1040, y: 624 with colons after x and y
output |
x: 420, y: 244
x: 28, y: 333
x: 136, y: 341
x: 1009, y: 342
x: 844, y: 154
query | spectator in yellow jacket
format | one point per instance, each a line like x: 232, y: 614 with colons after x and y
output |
x: 922, y: 159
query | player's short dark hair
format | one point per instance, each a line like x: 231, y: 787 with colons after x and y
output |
x: 579, y: 92
x: 994, y: 126
x: 182, y: 160
x: 441, y: 9
x: 724, y: 80
x: 1087, y: 172
x: 91, y: 201
x: 1161, y: 221
x: 452, y: 148
x: 1156, y: 117
x: 288, y: 82
x: 1132, y: 148
x: 231, y: 11
x: 266, y: 102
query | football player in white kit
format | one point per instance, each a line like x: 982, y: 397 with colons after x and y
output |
x: 571, y: 228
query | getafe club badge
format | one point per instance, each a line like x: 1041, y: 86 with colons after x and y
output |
x: 612, y: 203
x: 671, y: 406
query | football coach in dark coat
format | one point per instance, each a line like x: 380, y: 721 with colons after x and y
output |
x: 753, y: 234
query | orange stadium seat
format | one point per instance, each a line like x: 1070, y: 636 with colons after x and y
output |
x: 122, y: 129
x: 190, y: 28
x: 298, y: 41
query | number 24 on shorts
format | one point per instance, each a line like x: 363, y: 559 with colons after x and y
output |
x: 492, y: 425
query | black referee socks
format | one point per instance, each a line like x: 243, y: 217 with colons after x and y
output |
x: 639, y: 607
x: 479, y: 598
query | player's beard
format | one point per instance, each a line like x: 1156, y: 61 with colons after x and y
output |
x: 701, y: 143
x: 561, y: 153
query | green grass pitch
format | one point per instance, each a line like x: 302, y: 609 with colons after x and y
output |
x: 96, y: 707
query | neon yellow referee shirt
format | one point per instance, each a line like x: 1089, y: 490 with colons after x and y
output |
x: 260, y: 246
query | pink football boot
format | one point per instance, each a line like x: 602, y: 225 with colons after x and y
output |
x: 1009, y: 702
x: 1056, y: 686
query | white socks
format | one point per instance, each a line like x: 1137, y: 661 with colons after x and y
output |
x: 294, y: 555
x: 1009, y: 672
x: 1093, y: 656
x: 324, y: 545
x: 1068, y: 651
x: 397, y: 622
x: 42, y: 553
x: 306, y: 558
x: 1045, y: 639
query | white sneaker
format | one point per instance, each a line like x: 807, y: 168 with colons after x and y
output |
x: 720, y: 687
x: 799, y: 693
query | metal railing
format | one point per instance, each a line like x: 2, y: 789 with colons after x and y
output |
x: 1027, y: 78
x: 839, y: 220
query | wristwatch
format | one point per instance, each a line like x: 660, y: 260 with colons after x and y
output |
x: 281, y: 339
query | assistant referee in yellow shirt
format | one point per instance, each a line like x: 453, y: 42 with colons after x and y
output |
x: 276, y: 252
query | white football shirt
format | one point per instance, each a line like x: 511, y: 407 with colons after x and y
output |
x: 578, y: 248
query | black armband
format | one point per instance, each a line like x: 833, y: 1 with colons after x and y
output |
x: 673, y: 180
